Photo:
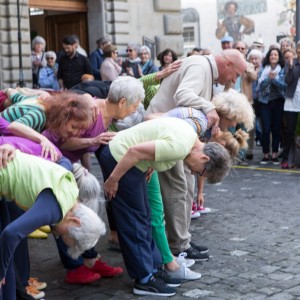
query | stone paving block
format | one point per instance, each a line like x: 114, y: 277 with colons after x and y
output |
x: 281, y: 296
x: 269, y: 290
x: 280, y: 276
x: 269, y: 269
x: 294, y: 291
x: 197, y: 293
x: 253, y: 296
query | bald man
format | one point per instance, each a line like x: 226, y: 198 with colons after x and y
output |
x: 190, y: 86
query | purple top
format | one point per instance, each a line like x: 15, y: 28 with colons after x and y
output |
x: 23, y: 144
x: 74, y: 155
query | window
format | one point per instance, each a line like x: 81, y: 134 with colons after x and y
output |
x: 189, y: 35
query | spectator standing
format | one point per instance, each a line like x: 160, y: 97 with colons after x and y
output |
x: 131, y: 66
x: 72, y: 64
x: 166, y: 57
x: 147, y: 63
x: 47, y: 78
x: 110, y: 69
x: 226, y: 42
x: 271, y: 87
x: 97, y: 56
x: 38, y: 59
x: 291, y: 104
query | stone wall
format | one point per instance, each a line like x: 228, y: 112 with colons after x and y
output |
x: 10, y: 74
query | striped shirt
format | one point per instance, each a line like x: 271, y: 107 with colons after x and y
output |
x: 30, y: 114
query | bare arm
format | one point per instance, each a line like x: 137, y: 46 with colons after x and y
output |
x: 76, y: 143
x: 7, y: 153
x: 22, y: 130
x: 143, y: 151
x: 200, y: 198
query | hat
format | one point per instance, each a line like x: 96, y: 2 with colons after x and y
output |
x: 258, y: 42
x: 227, y: 39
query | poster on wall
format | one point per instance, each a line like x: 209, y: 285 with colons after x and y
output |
x: 233, y: 17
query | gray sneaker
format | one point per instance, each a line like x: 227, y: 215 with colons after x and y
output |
x: 184, y: 273
x: 183, y: 261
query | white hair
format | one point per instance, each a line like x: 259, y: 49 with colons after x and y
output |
x: 254, y: 52
x: 50, y: 54
x: 38, y: 40
x: 145, y: 48
x: 89, y: 188
x: 126, y: 87
x: 133, y: 119
x: 88, y: 233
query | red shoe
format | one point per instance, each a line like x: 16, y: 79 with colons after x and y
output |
x: 81, y: 275
x: 105, y: 270
x: 285, y: 165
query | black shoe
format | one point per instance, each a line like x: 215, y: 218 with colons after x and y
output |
x: 155, y: 287
x: 201, y: 249
x: 249, y: 156
x: 265, y: 161
x: 193, y: 253
x: 275, y: 161
x: 170, y: 281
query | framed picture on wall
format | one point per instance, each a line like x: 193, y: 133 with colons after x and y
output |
x: 151, y: 45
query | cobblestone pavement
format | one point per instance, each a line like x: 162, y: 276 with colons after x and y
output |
x: 253, y: 235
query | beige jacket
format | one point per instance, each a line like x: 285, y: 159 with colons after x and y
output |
x: 190, y: 86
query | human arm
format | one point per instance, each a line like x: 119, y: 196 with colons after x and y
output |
x: 7, y: 153
x: 41, y: 213
x: 250, y: 72
x: 143, y: 151
x: 278, y: 81
x: 75, y: 143
x: 25, y: 131
x: 290, y: 71
x: 94, y: 64
x: 221, y: 30
x: 200, y: 184
x: 46, y: 78
x: 248, y: 25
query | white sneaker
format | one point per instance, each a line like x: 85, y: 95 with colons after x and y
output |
x: 183, y: 261
x: 195, y: 214
x: 184, y: 273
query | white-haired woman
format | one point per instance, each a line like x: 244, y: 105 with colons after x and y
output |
x: 50, y: 199
x: 38, y: 58
x: 130, y: 66
x: 147, y: 64
x: 47, y: 75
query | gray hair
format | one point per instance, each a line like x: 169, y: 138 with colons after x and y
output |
x: 88, y: 233
x: 38, y: 40
x: 145, y: 48
x: 50, y: 54
x: 287, y: 40
x: 133, y: 119
x: 90, y: 193
x: 219, y: 163
x: 126, y: 87
x: 134, y: 46
x: 255, y: 52
x: 103, y: 40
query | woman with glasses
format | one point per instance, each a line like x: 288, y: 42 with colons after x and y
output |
x: 110, y: 69
x: 47, y: 76
x: 147, y: 64
x: 130, y: 66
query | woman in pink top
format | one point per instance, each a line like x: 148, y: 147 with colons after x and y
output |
x: 110, y: 68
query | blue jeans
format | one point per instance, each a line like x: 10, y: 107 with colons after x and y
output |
x: 131, y: 213
x: 271, y: 119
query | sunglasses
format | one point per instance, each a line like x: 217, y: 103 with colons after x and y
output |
x: 129, y: 50
x: 49, y: 58
x: 201, y: 174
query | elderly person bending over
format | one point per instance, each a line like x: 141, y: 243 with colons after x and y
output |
x: 151, y: 145
x: 50, y: 199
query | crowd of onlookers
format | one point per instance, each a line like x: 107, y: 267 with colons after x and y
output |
x: 186, y: 120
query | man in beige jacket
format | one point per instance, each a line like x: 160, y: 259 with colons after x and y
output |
x: 190, y: 86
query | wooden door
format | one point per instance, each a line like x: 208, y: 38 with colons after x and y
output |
x: 60, y: 25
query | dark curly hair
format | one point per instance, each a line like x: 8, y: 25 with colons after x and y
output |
x: 281, y: 61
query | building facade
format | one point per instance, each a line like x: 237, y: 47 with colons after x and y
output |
x: 156, y: 23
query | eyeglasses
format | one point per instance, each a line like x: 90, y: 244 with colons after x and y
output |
x: 201, y: 174
x: 49, y: 58
x: 144, y: 53
x: 129, y: 50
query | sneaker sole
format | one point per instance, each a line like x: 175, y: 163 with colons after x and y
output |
x: 173, y: 284
x: 145, y: 293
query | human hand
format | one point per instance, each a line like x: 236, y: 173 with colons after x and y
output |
x: 200, y: 200
x: 174, y: 66
x: 95, y: 108
x: 213, y: 118
x: 104, y: 138
x: 149, y: 174
x: 215, y: 132
x: 2, y: 282
x: 7, y: 153
x: 110, y: 188
x: 140, y: 71
x: 129, y: 71
x: 291, y: 61
x: 49, y: 149
x: 272, y: 75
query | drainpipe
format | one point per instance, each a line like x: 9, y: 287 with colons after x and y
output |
x: 21, y: 82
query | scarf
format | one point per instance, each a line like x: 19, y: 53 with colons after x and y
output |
x: 145, y: 66
x: 266, y: 71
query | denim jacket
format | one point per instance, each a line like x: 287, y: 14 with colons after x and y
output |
x: 265, y: 85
